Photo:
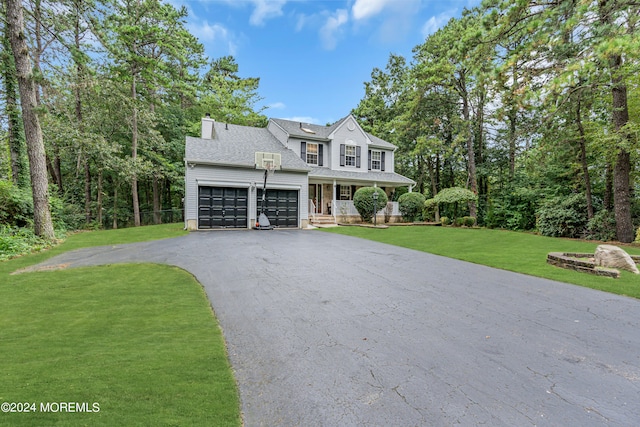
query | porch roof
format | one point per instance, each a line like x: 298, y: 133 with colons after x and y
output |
x: 390, y: 179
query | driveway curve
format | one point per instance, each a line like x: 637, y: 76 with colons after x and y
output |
x: 330, y: 330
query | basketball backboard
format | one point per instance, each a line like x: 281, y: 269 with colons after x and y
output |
x: 268, y: 161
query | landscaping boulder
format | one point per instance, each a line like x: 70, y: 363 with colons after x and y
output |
x: 614, y: 257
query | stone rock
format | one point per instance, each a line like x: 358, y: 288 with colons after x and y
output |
x: 614, y: 257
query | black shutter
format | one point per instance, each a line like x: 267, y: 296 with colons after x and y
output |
x: 303, y: 151
x: 337, y: 191
x: 369, y: 159
x: 358, y: 156
x: 341, y: 154
x: 382, y: 161
x: 353, y: 191
x: 320, y: 162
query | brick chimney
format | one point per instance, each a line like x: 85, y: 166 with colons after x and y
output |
x: 208, y: 131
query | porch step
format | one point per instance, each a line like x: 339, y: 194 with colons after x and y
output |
x: 323, y: 219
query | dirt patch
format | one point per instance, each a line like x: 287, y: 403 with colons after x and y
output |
x: 34, y: 268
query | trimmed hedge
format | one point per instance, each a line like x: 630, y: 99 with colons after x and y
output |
x: 411, y: 206
x: 363, y: 201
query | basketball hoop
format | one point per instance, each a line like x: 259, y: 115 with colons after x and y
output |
x: 269, y: 162
x: 269, y: 166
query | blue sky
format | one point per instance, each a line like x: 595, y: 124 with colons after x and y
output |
x: 313, y: 56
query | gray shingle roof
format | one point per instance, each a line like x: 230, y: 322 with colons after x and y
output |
x: 294, y: 129
x: 370, y: 176
x: 236, y: 145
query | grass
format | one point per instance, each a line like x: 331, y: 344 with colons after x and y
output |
x: 139, y: 340
x: 520, y: 252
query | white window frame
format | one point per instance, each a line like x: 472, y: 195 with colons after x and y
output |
x: 350, y: 153
x: 376, y: 160
x: 345, y: 192
x: 313, y: 153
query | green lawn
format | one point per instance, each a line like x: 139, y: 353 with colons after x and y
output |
x: 508, y: 250
x: 139, y: 340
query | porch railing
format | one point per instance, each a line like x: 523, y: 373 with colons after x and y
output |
x: 312, y: 209
x: 347, y: 208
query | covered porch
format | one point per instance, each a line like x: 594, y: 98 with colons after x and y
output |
x: 332, y: 197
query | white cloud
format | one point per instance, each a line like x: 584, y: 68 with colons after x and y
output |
x: 363, y: 9
x: 332, y: 28
x: 266, y: 9
x: 215, y: 34
x: 434, y: 23
x: 304, y: 119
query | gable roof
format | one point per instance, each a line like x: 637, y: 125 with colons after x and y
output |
x: 295, y: 129
x: 323, y: 133
x: 235, y: 145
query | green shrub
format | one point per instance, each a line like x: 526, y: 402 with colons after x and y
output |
x: 398, y: 192
x: 16, y: 241
x: 513, y: 209
x: 638, y: 235
x: 445, y: 220
x: 468, y: 221
x: 16, y: 205
x: 602, y: 226
x: 363, y: 201
x: 411, y: 206
x: 563, y: 217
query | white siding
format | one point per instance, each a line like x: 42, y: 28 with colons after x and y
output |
x: 252, y: 179
x: 356, y: 137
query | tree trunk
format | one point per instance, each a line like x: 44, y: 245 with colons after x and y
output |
x: 620, y: 118
x: 134, y: 154
x: 14, y: 130
x: 87, y: 190
x: 157, y: 202
x: 470, y: 151
x: 608, y: 189
x: 582, y: 140
x: 115, y: 206
x: 43, y: 226
x: 622, y: 167
x: 434, y: 186
x: 99, y: 199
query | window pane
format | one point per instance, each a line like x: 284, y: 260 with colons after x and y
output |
x: 312, y: 154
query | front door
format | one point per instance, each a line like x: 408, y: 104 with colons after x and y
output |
x: 315, y: 194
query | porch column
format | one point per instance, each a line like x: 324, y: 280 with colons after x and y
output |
x: 333, y: 201
x: 411, y: 189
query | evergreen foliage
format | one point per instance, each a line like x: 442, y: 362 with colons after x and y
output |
x: 411, y: 206
x: 364, y: 203
x: 563, y: 217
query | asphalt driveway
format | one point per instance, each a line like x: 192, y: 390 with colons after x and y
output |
x: 329, y: 330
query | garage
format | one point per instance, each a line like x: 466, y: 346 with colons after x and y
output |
x: 281, y: 207
x: 222, y: 207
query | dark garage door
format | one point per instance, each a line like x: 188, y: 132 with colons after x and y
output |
x: 222, y: 207
x: 281, y: 207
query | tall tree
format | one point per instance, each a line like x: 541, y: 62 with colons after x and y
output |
x: 454, y: 58
x: 43, y: 225
x: 604, y: 41
x: 229, y: 97
x: 15, y: 133
x: 146, y: 38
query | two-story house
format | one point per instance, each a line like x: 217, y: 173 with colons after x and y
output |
x: 321, y: 168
